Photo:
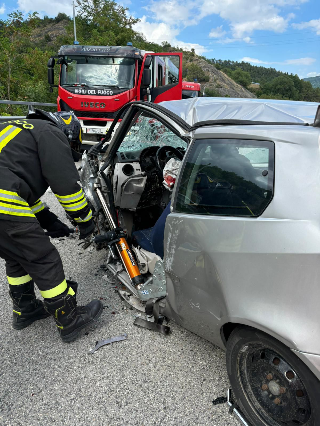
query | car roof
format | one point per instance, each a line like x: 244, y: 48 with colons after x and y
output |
x: 206, y: 109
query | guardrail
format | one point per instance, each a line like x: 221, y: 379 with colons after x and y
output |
x: 30, y: 106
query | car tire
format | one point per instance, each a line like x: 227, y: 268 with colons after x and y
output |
x: 270, y: 384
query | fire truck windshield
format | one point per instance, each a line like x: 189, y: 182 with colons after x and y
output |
x: 94, y: 71
x: 186, y: 94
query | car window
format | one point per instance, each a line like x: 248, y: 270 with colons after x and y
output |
x: 227, y: 177
x: 147, y: 131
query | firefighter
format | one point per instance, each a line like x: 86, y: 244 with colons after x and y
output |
x: 35, y: 153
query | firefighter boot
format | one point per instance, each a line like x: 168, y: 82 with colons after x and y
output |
x: 26, y: 307
x: 70, y: 318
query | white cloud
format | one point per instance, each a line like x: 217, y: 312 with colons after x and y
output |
x: 174, y: 12
x: 314, y: 25
x: 313, y: 74
x: 243, y: 16
x: 273, y: 23
x: 156, y: 32
x: 167, y: 18
x: 229, y: 40
x: 299, y: 61
x: 2, y: 9
x: 217, y: 32
x: 253, y: 60
x: 159, y: 32
x: 247, y: 16
x: 198, y: 48
x: 46, y: 7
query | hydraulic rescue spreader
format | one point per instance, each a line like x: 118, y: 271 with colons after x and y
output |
x: 117, y: 236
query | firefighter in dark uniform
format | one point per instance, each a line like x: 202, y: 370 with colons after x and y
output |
x: 35, y: 153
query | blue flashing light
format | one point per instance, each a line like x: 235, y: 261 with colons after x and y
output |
x: 76, y: 42
x: 129, y: 43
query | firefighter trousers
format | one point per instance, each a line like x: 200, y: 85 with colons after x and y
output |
x: 29, y: 255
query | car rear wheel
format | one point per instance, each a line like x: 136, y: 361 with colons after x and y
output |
x: 271, y: 385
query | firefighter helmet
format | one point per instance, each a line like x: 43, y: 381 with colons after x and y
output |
x: 66, y: 121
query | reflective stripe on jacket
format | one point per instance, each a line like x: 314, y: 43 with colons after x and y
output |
x: 35, y: 154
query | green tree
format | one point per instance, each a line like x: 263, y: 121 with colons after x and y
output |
x: 103, y: 22
x: 14, y: 38
x: 212, y: 93
x: 309, y: 93
x: 62, y: 17
x: 192, y: 71
x: 283, y: 86
x: 22, y: 65
x: 241, y: 77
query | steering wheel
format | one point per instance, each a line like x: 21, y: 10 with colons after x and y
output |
x: 164, y: 154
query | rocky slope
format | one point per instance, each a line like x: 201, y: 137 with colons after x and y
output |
x: 220, y: 82
x: 48, y: 34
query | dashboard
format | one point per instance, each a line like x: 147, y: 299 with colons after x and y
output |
x: 137, y: 177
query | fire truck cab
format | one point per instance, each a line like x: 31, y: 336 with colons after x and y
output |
x: 190, y: 90
x: 96, y: 81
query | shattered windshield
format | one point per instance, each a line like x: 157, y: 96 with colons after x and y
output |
x: 98, y: 71
x: 148, y: 131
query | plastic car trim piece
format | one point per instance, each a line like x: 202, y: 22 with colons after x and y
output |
x: 101, y: 343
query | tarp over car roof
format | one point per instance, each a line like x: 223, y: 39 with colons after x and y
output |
x: 269, y: 110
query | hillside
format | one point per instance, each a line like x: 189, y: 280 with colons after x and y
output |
x: 272, y: 84
x: 257, y: 73
x: 49, y: 34
x: 220, y: 83
x: 315, y: 81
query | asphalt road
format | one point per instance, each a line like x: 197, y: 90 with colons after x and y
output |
x: 148, y: 379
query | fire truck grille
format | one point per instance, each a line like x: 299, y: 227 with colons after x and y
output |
x: 94, y: 114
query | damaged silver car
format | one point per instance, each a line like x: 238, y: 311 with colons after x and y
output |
x: 226, y: 242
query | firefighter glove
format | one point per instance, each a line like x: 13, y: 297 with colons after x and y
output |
x: 49, y: 221
x: 86, y: 229
x: 58, y: 229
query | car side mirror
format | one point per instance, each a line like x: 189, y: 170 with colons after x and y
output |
x: 146, y: 78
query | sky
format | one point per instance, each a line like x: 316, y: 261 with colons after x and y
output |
x: 283, y: 34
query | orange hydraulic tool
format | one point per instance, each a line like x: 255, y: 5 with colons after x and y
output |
x: 122, y: 246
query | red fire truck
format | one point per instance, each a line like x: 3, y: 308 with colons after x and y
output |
x: 96, y: 81
x: 190, y: 90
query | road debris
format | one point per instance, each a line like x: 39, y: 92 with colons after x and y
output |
x: 101, y: 343
x: 220, y: 400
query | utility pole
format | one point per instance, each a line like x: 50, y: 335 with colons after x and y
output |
x: 74, y: 24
